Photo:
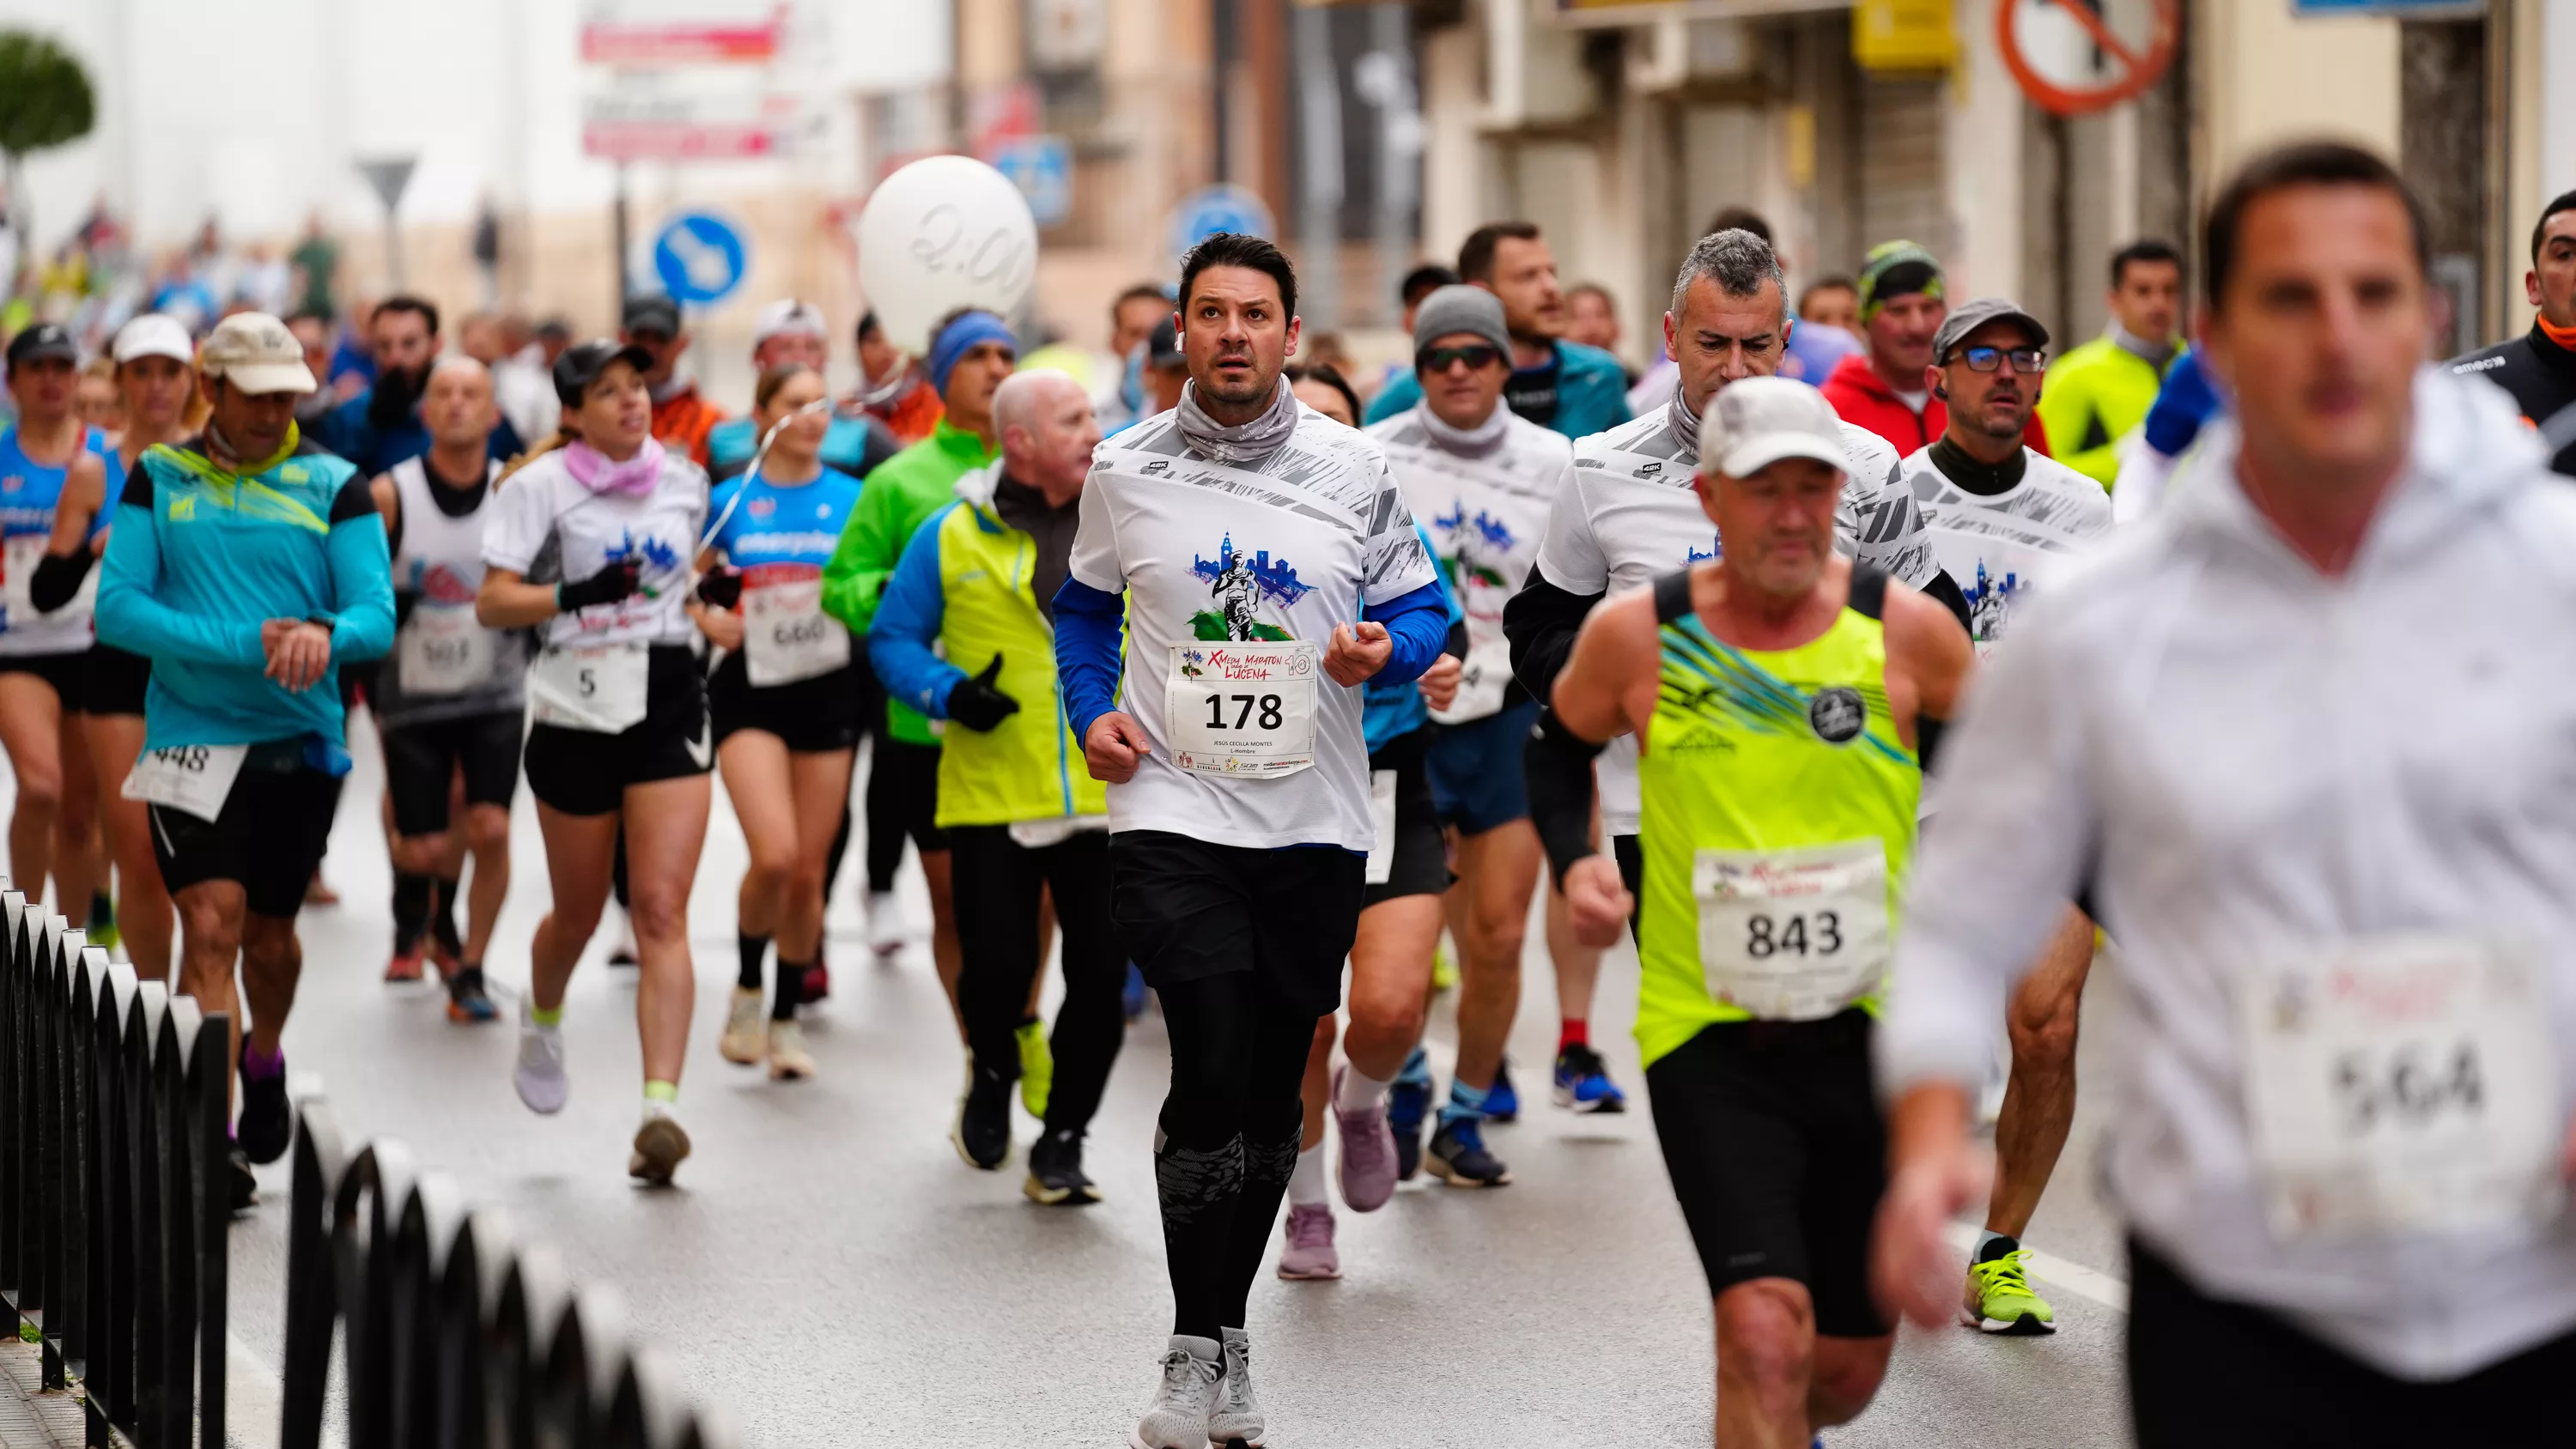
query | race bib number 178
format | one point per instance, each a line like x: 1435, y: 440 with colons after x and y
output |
x: 1245, y: 710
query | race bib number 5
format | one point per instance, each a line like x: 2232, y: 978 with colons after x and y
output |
x: 1792, y: 935
x: 2402, y: 1084
x: 1245, y: 710
x: 600, y: 687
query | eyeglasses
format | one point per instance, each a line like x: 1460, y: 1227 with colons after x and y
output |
x: 1987, y: 359
x: 1478, y: 356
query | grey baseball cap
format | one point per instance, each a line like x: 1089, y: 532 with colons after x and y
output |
x: 1967, y: 317
x: 1757, y: 421
x: 1461, y: 308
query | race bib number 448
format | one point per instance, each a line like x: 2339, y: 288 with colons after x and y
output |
x: 1246, y: 710
x: 2402, y: 1084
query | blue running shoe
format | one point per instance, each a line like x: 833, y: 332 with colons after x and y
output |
x: 1502, y: 1104
x: 1583, y: 1082
x: 1407, y: 1103
x: 1131, y: 997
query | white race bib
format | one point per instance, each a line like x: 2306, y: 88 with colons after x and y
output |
x: 444, y: 651
x: 1381, y: 856
x: 1793, y: 935
x: 195, y: 779
x: 2402, y: 1084
x: 597, y: 687
x: 786, y: 636
x: 19, y: 556
x: 1245, y: 710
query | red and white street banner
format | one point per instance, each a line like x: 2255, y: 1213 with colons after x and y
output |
x: 677, y: 141
x: 683, y: 42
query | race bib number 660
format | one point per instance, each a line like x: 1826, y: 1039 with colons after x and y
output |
x: 2402, y: 1084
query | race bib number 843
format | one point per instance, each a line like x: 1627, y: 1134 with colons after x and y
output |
x: 2402, y: 1084
x: 1792, y: 935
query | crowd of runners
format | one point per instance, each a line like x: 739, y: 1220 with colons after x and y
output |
x: 1894, y: 683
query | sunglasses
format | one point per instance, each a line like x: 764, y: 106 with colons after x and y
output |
x: 1987, y: 359
x: 1477, y: 356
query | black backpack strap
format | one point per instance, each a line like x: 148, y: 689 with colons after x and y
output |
x: 1672, y: 596
x: 1868, y: 591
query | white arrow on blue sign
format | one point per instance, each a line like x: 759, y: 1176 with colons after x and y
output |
x: 1042, y: 167
x: 1218, y: 208
x: 700, y: 257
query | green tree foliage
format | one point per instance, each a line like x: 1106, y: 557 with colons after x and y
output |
x: 45, y: 96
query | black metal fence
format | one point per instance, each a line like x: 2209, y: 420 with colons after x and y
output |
x: 114, y: 1201
x: 113, y: 1193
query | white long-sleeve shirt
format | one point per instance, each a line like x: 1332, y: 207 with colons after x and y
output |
x: 2256, y: 762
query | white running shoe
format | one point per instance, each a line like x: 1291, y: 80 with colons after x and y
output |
x: 1178, y: 1417
x: 1236, y: 1424
x: 746, y: 1021
x: 885, y: 923
x: 789, y: 1061
x: 540, y: 1075
x: 660, y: 1146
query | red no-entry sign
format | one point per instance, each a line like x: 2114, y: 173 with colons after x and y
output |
x: 2132, y: 67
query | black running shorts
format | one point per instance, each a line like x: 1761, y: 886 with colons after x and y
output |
x: 117, y: 681
x: 422, y: 759
x: 1187, y: 909
x: 585, y: 772
x: 268, y: 838
x: 67, y: 673
x: 1772, y: 1134
x: 1419, y: 865
x: 810, y: 716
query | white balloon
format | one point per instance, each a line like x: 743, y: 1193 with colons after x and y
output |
x: 942, y: 233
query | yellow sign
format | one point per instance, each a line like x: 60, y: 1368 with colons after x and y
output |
x: 1904, y: 35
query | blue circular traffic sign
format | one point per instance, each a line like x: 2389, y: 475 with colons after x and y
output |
x: 701, y: 257
x: 1213, y: 209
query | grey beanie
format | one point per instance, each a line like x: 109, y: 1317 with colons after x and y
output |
x: 1461, y: 308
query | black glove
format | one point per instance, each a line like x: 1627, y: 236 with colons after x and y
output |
x: 977, y: 705
x: 720, y: 588
x: 405, y: 600
x: 616, y: 582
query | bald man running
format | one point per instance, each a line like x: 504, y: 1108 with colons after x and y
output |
x: 1020, y: 811
x: 451, y: 698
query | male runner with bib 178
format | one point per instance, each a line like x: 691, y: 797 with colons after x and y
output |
x: 1264, y: 564
x: 248, y: 566
x: 1782, y: 697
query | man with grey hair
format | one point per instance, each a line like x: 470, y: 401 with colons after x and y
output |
x: 1626, y: 513
x: 963, y: 634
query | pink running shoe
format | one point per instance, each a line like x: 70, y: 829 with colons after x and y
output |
x: 1367, y: 1167
x: 1309, y: 1255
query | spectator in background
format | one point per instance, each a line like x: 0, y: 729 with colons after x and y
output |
x: 313, y: 333
x: 791, y: 333
x: 487, y: 251
x: 316, y: 266
x: 2098, y: 394
x: 264, y: 281
x: 381, y: 426
x: 1831, y: 302
x: 891, y: 388
x: 1166, y: 370
x: 481, y: 337
x: 95, y: 399
x: 1325, y: 349
x: 1592, y: 318
x: 1118, y: 392
x: 1555, y: 383
x: 182, y: 295
x: 523, y: 382
x: 681, y: 418
x: 353, y: 367
x: 1902, y: 304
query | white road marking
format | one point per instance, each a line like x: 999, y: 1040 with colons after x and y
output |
x: 2075, y: 1278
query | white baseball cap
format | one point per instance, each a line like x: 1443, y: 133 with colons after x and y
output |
x: 789, y: 317
x: 154, y: 334
x: 255, y: 353
x: 1758, y: 421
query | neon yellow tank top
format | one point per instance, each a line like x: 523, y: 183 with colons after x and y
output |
x: 1779, y: 819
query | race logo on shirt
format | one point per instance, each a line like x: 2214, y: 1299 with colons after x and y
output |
x: 440, y: 584
x: 1475, y: 547
x: 1238, y: 583
x: 761, y: 507
x: 1838, y: 714
x: 1691, y: 555
x: 1991, y: 601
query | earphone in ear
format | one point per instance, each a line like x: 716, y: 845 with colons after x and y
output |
x: 1941, y: 391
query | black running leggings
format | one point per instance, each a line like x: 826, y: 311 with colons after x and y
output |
x: 999, y: 883
x: 1229, y: 1139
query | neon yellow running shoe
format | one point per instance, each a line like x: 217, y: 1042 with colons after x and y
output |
x: 1999, y: 1300
x: 1444, y: 967
x: 1037, y: 1067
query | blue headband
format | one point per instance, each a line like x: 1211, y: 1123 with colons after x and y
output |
x: 961, y: 337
